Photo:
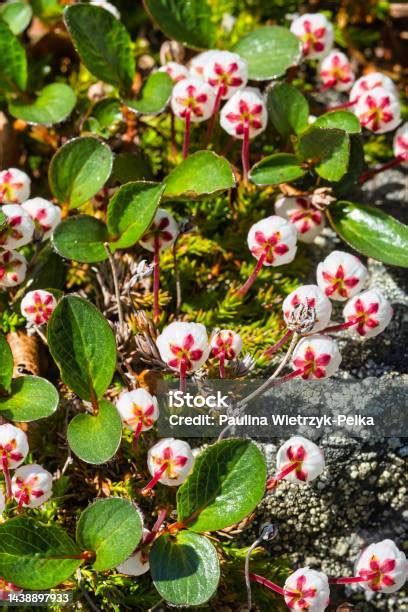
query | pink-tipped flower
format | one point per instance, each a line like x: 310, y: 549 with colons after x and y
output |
x: 13, y: 451
x: 226, y: 72
x: 37, y: 306
x: 19, y: 228
x: 31, y: 486
x: 13, y: 268
x: 177, y: 72
x: 6, y: 588
x: 14, y: 186
x: 108, y: 6
x: 368, y: 313
x: 313, y: 297
x: 341, y: 275
x: 307, y: 589
x: 335, y: 72
x: 45, y: 214
x: 315, y: 32
x: 225, y: 346
x: 307, y: 218
x: 299, y: 461
x: 138, y: 409
x: 169, y: 462
x: 138, y: 563
x: 378, y: 111
x: 184, y: 347
x: 315, y: 358
x: 383, y: 567
x: 2, y: 502
x: 371, y: 81
x: 401, y: 144
x: 199, y: 62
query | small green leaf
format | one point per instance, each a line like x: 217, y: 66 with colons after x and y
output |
x: 17, y: 15
x: 130, y: 167
x: 226, y: 484
x: 79, y: 170
x: 327, y: 150
x: 83, y: 346
x: 371, y: 232
x: 111, y: 528
x: 103, y: 44
x: 185, y: 568
x: 31, y: 398
x: 276, y: 169
x: 269, y: 51
x: 341, y: 120
x: 288, y: 109
x: 54, y: 104
x: 96, y: 438
x: 105, y: 118
x: 47, y: 10
x: 188, y: 21
x: 131, y: 211
x: 201, y: 174
x: 7, y: 364
x: 32, y: 555
x: 355, y: 167
x: 13, y: 61
x: 154, y: 96
x: 81, y: 238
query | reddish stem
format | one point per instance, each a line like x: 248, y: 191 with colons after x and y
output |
x: 186, y: 142
x: 246, y: 286
x: 214, y: 114
x: 245, y: 152
x: 347, y: 580
x: 270, y: 585
x: 339, y: 327
x: 137, y: 433
x: 183, y: 376
x: 7, y: 477
x: 391, y: 164
x: 222, y: 364
x: 272, y: 482
x: 159, y: 522
x: 156, y: 280
x: 273, y: 349
x: 157, y: 475
x: 344, y: 105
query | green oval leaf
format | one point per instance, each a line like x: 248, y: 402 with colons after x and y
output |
x: 13, y: 61
x: 340, y: 119
x: 96, y: 438
x: 83, y: 346
x: 130, y: 167
x: 53, y: 104
x: 105, y: 118
x: 276, y: 169
x: 31, y: 398
x: 269, y: 52
x: 79, y: 170
x: 7, y: 365
x: 131, y: 211
x: 226, y: 484
x: 154, y: 96
x: 185, y: 568
x: 188, y: 21
x: 287, y: 109
x: 201, y: 174
x: 32, y: 554
x: 371, y: 232
x: 354, y: 169
x: 111, y: 528
x: 327, y: 150
x: 103, y: 44
x: 81, y: 238
x: 17, y: 15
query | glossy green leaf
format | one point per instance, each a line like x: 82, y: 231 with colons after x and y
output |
x: 53, y: 104
x: 288, y: 109
x: 83, y: 346
x: 32, y: 554
x: 13, y: 61
x: 188, y: 21
x: 185, y: 568
x: 96, y: 438
x: 276, y: 169
x: 105, y: 118
x: 17, y: 15
x: 31, y: 398
x: 111, y: 528
x: 354, y: 169
x: 49, y: 270
x: 130, y: 167
x: 7, y: 365
x: 79, y: 170
x: 216, y: 493
x: 269, y: 52
x: 201, y: 174
x: 371, y: 232
x: 81, y: 238
x: 326, y: 150
x: 103, y: 44
x: 341, y: 120
x: 154, y: 96
x: 131, y: 211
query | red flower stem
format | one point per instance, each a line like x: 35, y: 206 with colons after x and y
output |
x: 157, y: 475
x: 347, y: 580
x: 156, y: 280
x: 273, y: 349
x: 270, y: 585
x: 391, y: 164
x: 335, y: 328
x: 159, y: 521
x: 222, y: 364
x: 344, y: 105
x: 6, y: 469
x: 186, y: 142
x: 214, y: 114
x: 137, y: 433
x: 183, y: 376
x: 272, y: 482
x: 246, y: 286
x: 245, y: 152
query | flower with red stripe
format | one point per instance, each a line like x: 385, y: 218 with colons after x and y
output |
x: 335, y: 72
x: 37, y: 306
x: 13, y: 268
x: 169, y: 462
x: 307, y: 218
x: 31, y: 486
x: 162, y: 232
x: 315, y: 32
x: 225, y: 346
x: 299, y: 461
x: 382, y: 567
x: 273, y: 240
x: 316, y: 357
x: 19, y: 228
x: 226, y: 72
x: 368, y: 313
x: 371, y: 81
x: 341, y: 275
x: 313, y: 297
x: 45, y: 214
x: 14, y: 186
x: 378, y: 111
x: 192, y: 99
x: 138, y: 409
x: 177, y: 72
x: 7, y: 588
x: 307, y: 589
x: 400, y: 144
x: 13, y: 446
x: 245, y: 112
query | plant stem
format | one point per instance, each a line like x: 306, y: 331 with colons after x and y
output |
x: 157, y: 475
x: 186, y: 142
x: 347, y: 580
x: 245, y: 153
x: 270, y: 585
x: 272, y: 482
x: 40, y: 334
x: 6, y: 470
x: 214, y: 114
x: 339, y: 327
x: 173, y: 134
x: 177, y: 276
x: 275, y: 348
x: 222, y: 365
x: 246, y: 286
x: 137, y: 433
x: 116, y: 285
x: 183, y: 376
x: 268, y: 532
x: 156, y: 280
x: 344, y: 105
x: 391, y: 164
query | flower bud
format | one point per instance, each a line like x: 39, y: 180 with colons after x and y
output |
x: 370, y: 312
x: 245, y: 110
x: 37, y: 306
x: 341, y: 275
x: 274, y: 239
x: 383, y: 566
x: 307, y: 218
x: 371, y: 81
x: 183, y: 346
x: 19, y: 228
x: 336, y: 72
x: 226, y: 343
x: 14, y: 186
x: 307, y: 590
x: 193, y: 97
x: 31, y: 486
x: 138, y: 563
x: 400, y: 143
x: 164, y: 229
x: 6, y: 588
x: 316, y: 357
x: 45, y: 214
x: 13, y: 268
x: 13, y: 445
x: 315, y: 32
x: 170, y: 461
x: 378, y: 111
x: 199, y: 62
x: 138, y: 409
x: 2, y: 502
x: 313, y: 297
x: 227, y: 72
x: 108, y: 6
x: 177, y: 72
x: 300, y: 460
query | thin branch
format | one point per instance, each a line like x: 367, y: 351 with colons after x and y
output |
x: 268, y: 532
x: 116, y: 285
